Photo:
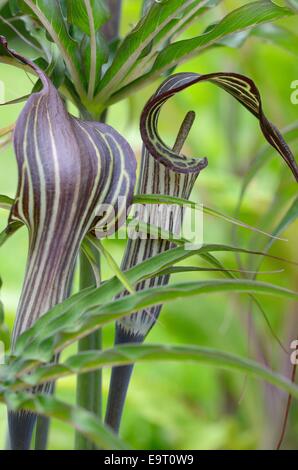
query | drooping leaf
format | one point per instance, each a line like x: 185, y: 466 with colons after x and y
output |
x: 92, y: 308
x: 289, y: 217
x: 80, y: 419
x: 161, y: 295
x: 9, y: 231
x: 199, y: 269
x: 112, y: 264
x: 163, y: 199
x: 6, y: 202
x: 264, y: 155
x: 247, y: 16
x: 32, y: 32
x: 127, y: 354
x: 211, y: 260
x: 63, y: 316
x: 167, y: 35
x: 49, y: 14
x: 279, y: 36
x: 158, y: 22
x: 270, y: 32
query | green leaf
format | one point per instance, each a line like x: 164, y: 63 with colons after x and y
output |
x: 112, y: 264
x: 247, y: 16
x: 293, y: 4
x: 144, y: 299
x: 194, y: 17
x: 160, y: 22
x: 187, y: 269
x: 6, y: 58
x: 89, y: 254
x: 80, y: 419
x: 210, y: 259
x: 68, y: 314
x: 94, y: 54
x: 50, y: 16
x: 88, y: 15
x: 91, y: 319
x: 279, y: 36
x: 6, y: 130
x: 161, y: 199
x: 290, y: 133
x: 290, y: 216
x: 275, y: 34
x: 6, y: 202
x: 10, y: 230
x: 3, y: 3
x: 16, y: 100
x: 166, y: 36
x: 135, y: 353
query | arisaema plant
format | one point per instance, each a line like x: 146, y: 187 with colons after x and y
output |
x: 76, y: 183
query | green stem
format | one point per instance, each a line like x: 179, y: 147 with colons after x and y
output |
x: 121, y: 376
x: 41, y: 433
x: 89, y: 386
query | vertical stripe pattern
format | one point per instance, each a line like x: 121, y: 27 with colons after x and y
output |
x: 68, y: 169
x: 171, y: 176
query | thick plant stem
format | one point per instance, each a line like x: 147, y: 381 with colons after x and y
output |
x: 42, y: 432
x: 120, y: 379
x: 89, y: 386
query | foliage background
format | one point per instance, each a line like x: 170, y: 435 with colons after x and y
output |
x: 175, y: 406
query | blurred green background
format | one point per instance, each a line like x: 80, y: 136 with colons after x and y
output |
x: 185, y: 406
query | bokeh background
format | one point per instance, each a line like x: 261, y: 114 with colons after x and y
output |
x: 186, y: 406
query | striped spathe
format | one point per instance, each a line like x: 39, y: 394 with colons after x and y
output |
x: 68, y: 168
